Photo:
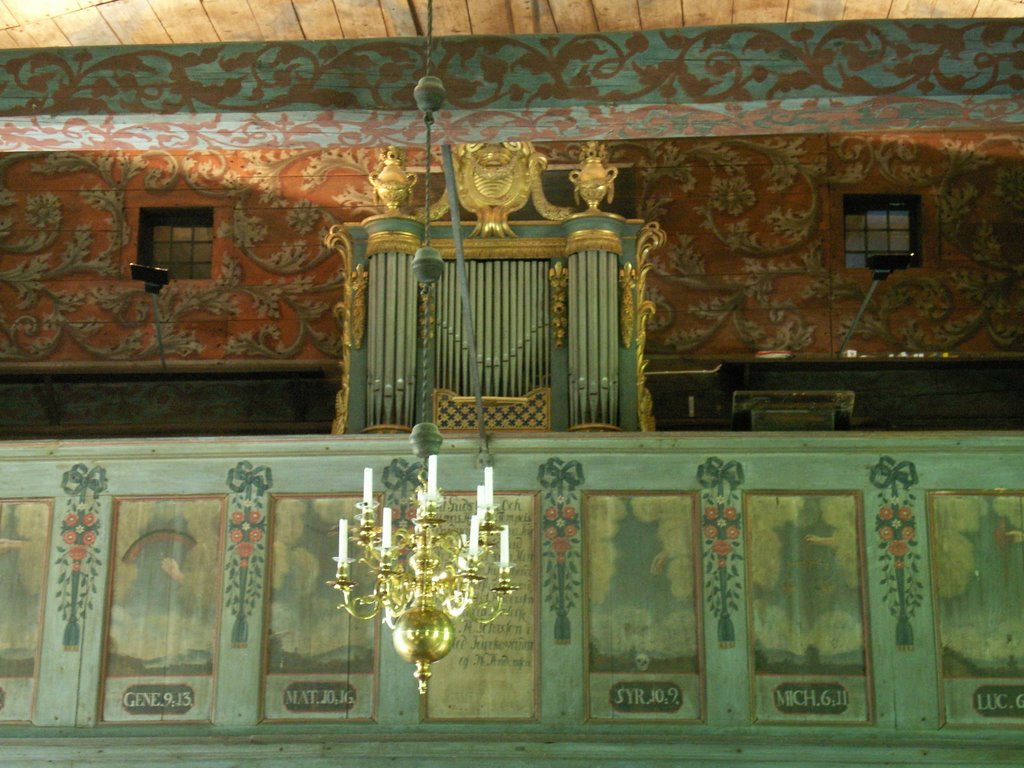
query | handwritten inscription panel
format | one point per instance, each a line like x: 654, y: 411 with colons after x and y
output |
x: 320, y: 661
x: 491, y: 672
x: 24, y: 527
x: 643, y: 649
x: 159, y: 656
x: 805, y: 576
x: 978, y: 564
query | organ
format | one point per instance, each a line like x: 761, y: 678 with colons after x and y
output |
x: 558, y: 306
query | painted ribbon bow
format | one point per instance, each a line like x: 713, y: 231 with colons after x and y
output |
x: 244, y: 478
x: 80, y: 478
x: 714, y: 473
x: 887, y: 474
x: 560, y: 477
x: 400, y: 475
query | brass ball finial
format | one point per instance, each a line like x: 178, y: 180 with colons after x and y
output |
x: 424, y: 635
x: 426, y: 439
x: 427, y: 264
x: 429, y: 93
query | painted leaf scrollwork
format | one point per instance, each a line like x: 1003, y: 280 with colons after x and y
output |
x: 65, y: 279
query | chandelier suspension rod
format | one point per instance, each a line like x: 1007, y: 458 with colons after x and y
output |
x: 469, y: 327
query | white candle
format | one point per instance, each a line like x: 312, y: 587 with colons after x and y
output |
x: 481, y: 496
x: 342, y: 540
x: 432, y: 474
x: 367, y: 485
x: 385, y: 529
x: 474, y: 535
x: 489, y: 486
x: 504, y: 562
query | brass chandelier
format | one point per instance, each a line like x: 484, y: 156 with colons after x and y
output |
x: 426, y: 577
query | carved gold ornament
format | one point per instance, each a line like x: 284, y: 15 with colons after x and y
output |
x: 358, y: 280
x: 593, y: 181
x: 388, y: 241
x: 496, y: 180
x: 650, y: 238
x: 594, y: 240
x: 627, y: 303
x: 392, y: 183
x: 337, y: 239
x: 558, y: 276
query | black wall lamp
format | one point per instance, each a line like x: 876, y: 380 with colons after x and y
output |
x: 881, y: 265
x: 154, y: 279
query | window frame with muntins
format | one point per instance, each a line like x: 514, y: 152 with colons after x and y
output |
x: 179, y: 240
x: 881, y: 225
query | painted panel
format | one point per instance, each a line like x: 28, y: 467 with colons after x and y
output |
x: 159, y: 660
x: 978, y: 563
x: 808, y: 622
x: 320, y: 662
x: 643, y: 649
x: 491, y: 672
x: 24, y: 533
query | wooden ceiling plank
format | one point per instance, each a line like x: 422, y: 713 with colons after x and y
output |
x: 135, y: 23
x: 661, y: 14
x: 26, y: 11
x: 420, y: 13
x: 960, y: 9
x: 707, y: 13
x: 487, y: 17
x: 616, y: 15
x: 866, y: 9
x: 815, y: 10
x: 911, y: 9
x: 6, y: 41
x: 759, y: 11
x: 232, y: 20
x: 361, y: 18
x: 999, y: 9
x: 525, y: 16
x: 547, y: 19
x: 86, y: 27
x: 319, y: 20
x: 277, y: 21
x: 531, y: 17
x: 43, y: 33
x: 185, y: 21
x: 574, y: 16
x: 399, y: 18
x: 7, y: 19
x: 450, y: 18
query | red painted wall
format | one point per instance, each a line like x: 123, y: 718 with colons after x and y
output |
x: 753, y: 261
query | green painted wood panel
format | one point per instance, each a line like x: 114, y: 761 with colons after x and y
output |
x: 716, y: 80
x: 721, y: 472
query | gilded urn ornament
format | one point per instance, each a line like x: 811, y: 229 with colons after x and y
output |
x: 392, y: 183
x: 594, y: 182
